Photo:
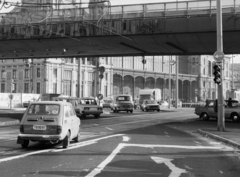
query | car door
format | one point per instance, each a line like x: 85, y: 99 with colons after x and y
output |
x: 75, y: 120
x: 67, y: 119
x: 211, y: 111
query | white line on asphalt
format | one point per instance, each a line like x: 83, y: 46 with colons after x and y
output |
x: 102, y: 165
x: 72, y: 146
x: 126, y: 138
x: 108, y: 128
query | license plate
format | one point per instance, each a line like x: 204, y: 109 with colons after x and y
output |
x: 39, y: 127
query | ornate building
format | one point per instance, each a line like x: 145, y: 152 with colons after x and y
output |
x: 122, y: 75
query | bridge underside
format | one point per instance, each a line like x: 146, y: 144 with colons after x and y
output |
x: 195, y: 43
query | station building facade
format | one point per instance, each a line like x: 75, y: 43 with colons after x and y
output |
x: 123, y: 75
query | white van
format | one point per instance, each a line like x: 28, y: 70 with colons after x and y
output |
x: 123, y: 102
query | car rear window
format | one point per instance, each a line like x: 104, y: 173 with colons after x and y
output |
x: 42, y: 109
x: 123, y: 98
x: 88, y: 101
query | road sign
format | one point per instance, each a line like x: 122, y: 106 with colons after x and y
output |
x: 100, y: 96
x: 101, y: 76
x: 218, y: 56
x: 10, y: 97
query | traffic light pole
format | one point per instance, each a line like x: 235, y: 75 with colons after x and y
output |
x: 221, y: 118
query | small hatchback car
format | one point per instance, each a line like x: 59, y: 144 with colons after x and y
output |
x: 49, y: 121
x: 150, y: 105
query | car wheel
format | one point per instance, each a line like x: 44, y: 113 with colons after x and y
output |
x: 158, y: 110
x: 131, y: 111
x: 235, y: 117
x: 127, y: 111
x: 25, y: 143
x: 77, y: 138
x: 204, y: 116
x: 66, y: 140
x: 97, y: 116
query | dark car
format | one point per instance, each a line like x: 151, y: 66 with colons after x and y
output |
x: 150, y: 105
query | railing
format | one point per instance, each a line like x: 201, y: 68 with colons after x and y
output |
x: 106, y: 12
x: 32, y: 23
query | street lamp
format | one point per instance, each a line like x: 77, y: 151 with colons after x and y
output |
x: 171, y: 62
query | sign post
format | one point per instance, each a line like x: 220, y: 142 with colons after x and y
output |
x: 100, y: 97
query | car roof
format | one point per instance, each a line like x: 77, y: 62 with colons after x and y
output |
x: 123, y: 95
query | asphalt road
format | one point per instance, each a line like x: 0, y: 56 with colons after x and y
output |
x: 144, y: 144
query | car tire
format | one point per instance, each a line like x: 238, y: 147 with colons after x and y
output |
x: 131, y: 111
x: 66, y: 140
x: 97, y: 116
x: 25, y: 143
x: 235, y: 117
x: 204, y: 116
x: 77, y: 138
x: 158, y: 110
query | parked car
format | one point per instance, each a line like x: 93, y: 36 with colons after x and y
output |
x: 164, y: 103
x: 209, y: 110
x: 150, y: 105
x: 88, y: 106
x: 123, y: 102
x: 27, y: 103
x: 49, y: 121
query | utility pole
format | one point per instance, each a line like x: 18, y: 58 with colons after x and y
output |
x: 221, y: 111
x: 169, y: 84
x: 232, y: 74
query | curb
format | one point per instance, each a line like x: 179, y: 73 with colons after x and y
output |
x: 219, y: 138
x: 8, y: 123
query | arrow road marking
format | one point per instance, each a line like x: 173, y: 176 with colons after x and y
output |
x: 176, y: 172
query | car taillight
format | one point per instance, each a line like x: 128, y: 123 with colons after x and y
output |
x: 59, y: 129
x: 21, y: 128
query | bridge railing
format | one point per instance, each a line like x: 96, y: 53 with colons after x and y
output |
x: 74, y: 21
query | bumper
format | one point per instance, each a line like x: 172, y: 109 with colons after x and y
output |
x: 35, y: 137
x: 124, y: 109
x: 90, y: 112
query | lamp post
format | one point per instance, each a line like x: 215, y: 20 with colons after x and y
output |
x: 171, y: 62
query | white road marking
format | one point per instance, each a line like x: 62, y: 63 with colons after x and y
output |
x: 197, y: 142
x: 109, y: 128
x: 126, y: 138
x: 72, y: 146
x: 176, y: 172
x: 102, y: 165
x: 166, y: 133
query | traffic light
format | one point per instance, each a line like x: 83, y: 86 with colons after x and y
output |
x: 217, y: 74
x: 101, y: 70
x: 27, y: 64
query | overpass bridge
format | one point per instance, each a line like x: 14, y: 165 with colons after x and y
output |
x: 171, y: 28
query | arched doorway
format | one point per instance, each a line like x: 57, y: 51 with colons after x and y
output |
x: 139, y: 84
x: 117, y: 84
x: 128, y: 85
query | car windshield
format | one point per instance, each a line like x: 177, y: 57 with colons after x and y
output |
x: 88, y: 101
x: 123, y: 98
x: 39, y: 109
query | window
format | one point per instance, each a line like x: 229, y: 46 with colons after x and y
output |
x: 67, y: 75
x: 66, y: 111
x: 26, y: 87
x: 38, y: 87
x: 3, y: 75
x: 106, y: 76
x: 55, y: 72
x: 38, y: 72
x: 2, y: 87
x: 26, y: 73
x: 54, y: 87
x: 14, y: 74
x: 14, y: 89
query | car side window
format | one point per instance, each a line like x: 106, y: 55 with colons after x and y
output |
x: 73, y: 113
x: 66, y: 112
x: 211, y: 104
